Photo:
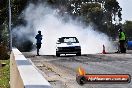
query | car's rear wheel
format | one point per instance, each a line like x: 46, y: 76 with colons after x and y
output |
x: 78, y: 54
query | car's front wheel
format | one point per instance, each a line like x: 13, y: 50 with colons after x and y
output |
x: 57, y: 54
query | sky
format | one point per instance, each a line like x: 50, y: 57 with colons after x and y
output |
x: 126, y: 6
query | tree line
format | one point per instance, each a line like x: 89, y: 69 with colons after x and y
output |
x: 105, y: 15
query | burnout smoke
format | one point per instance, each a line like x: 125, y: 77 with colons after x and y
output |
x: 40, y: 17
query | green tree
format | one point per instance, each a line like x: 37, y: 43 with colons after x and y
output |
x: 92, y: 12
x: 101, y: 12
x: 17, y: 7
x: 128, y: 29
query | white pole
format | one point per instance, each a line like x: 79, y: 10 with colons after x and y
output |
x: 10, y: 32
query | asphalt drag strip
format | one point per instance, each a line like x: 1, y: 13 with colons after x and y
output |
x: 61, y: 71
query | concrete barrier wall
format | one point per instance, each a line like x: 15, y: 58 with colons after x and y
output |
x: 23, y: 74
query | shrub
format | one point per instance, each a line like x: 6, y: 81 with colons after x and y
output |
x: 3, y: 52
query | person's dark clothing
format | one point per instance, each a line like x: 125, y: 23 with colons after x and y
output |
x: 122, y: 46
x: 39, y: 38
x: 38, y: 43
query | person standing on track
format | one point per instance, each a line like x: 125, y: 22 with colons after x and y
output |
x: 38, y: 42
x: 122, y: 41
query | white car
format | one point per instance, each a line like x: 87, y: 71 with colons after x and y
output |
x: 68, y: 45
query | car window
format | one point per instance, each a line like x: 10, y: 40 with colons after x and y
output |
x: 66, y: 40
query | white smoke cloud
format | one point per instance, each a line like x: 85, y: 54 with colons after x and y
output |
x: 40, y: 17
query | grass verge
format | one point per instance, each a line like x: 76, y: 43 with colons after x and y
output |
x: 4, y: 74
